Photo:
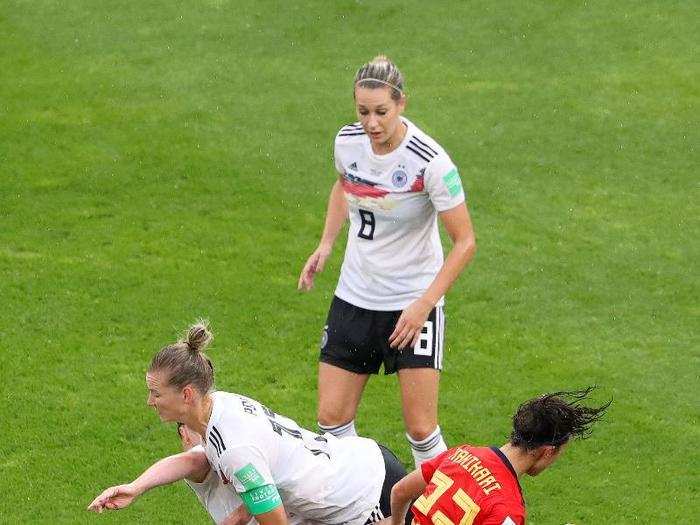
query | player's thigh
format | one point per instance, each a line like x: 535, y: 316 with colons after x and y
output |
x: 419, y: 400
x: 339, y: 394
x: 346, y: 360
x: 347, y: 338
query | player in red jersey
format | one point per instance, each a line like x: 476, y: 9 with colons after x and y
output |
x: 479, y: 485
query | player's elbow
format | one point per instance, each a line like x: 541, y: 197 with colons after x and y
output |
x: 465, y: 247
x: 398, y: 493
x: 471, y: 246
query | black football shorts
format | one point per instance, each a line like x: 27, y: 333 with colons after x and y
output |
x: 394, y: 472
x: 357, y: 340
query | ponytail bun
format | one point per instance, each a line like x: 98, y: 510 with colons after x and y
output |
x: 198, y: 336
x: 380, y: 60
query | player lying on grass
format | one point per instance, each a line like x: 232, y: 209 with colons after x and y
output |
x: 283, y: 473
x: 479, y: 485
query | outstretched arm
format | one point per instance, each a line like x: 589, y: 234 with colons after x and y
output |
x: 191, y: 464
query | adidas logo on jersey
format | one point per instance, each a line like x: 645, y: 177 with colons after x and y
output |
x: 353, y: 166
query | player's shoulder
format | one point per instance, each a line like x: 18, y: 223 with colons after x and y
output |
x: 505, y: 497
x: 350, y: 133
x: 422, y: 146
x: 228, y: 419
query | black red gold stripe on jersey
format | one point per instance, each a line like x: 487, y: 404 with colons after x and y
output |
x: 361, y: 187
x: 421, y: 149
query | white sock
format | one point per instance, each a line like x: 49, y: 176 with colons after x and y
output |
x: 344, y: 430
x: 427, y: 448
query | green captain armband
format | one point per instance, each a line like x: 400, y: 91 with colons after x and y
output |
x: 260, y: 500
x: 259, y: 497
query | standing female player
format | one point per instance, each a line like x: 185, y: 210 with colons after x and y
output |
x: 394, y: 181
x: 283, y: 473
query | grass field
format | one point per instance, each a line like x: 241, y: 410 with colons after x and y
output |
x: 161, y: 161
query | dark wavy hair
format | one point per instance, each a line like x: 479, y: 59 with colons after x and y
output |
x: 554, y: 419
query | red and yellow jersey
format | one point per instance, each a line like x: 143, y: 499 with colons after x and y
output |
x: 470, y: 485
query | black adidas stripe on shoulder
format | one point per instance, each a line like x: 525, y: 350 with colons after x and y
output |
x: 217, y: 441
x: 351, y: 130
x: 421, y: 149
x: 419, y: 141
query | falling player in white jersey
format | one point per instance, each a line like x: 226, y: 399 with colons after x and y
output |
x: 394, y: 182
x: 282, y: 472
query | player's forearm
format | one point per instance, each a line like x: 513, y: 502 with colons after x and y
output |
x: 168, y: 470
x: 400, y: 504
x: 336, y: 214
x: 460, y: 256
x: 277, y: 516
x: 240, y: 516
x: 403, y: 493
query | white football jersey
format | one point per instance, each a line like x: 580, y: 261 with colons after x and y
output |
x: 393, y: 252
x: 321, y: 479
x: 218, y: 499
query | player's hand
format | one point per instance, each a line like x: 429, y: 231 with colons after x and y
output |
x: 114, y: 498
x: 313, y: 265
x: 410, y: 323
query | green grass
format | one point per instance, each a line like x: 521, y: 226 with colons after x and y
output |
x: 161, y: 161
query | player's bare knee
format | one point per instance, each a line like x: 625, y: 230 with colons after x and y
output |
x: 419, y: 432
x: 333, y: 417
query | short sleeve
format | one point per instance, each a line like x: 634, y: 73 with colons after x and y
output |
x: 429, y: 467
x: 246, y: 467
x: 443, y: 184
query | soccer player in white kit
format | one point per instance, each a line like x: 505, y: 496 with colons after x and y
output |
x: 282, y: 472
x: 394, y: 181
